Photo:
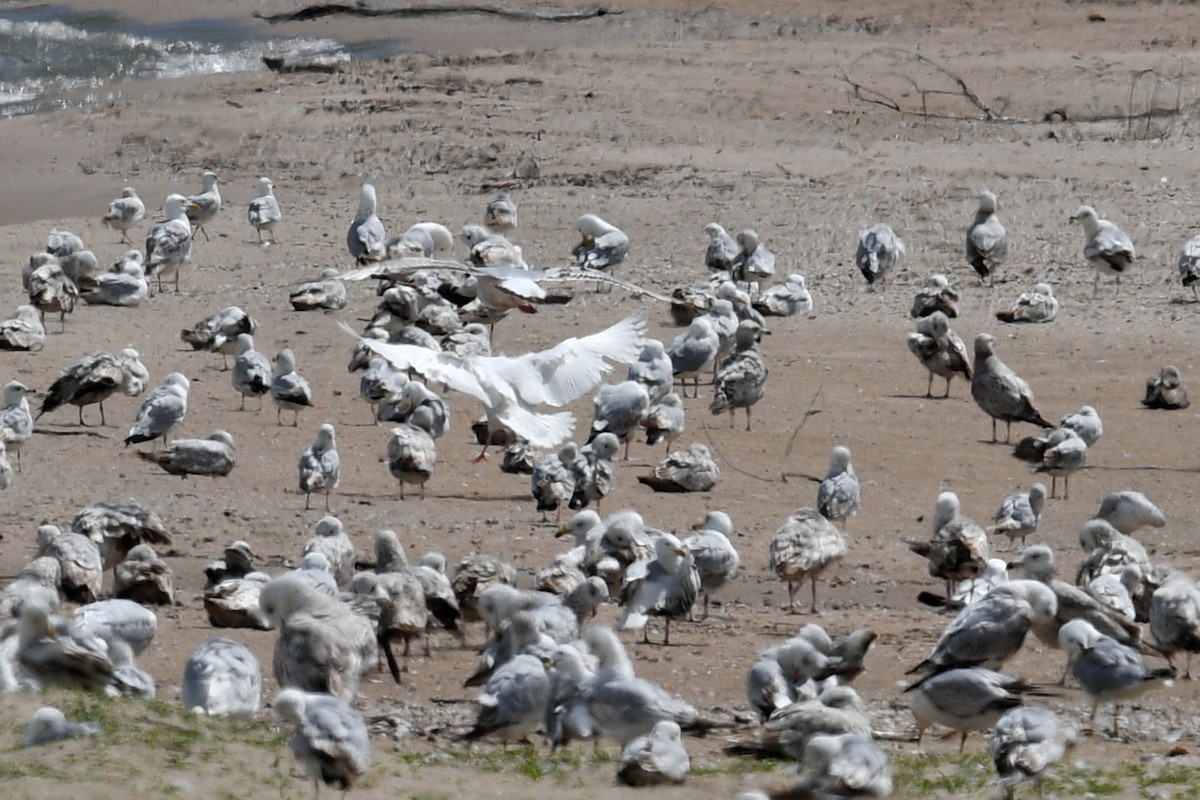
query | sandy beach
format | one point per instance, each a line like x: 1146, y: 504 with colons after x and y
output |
x: 661, y: 118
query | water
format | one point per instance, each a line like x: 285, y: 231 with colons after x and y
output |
x: 53, y: 57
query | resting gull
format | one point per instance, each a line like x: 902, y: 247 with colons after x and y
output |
x: 936, y: 294
x: 999, y: 391
x: 289, y: 389
x: 81, y: 568
x: 218, y: 333
x: 553, y: 480
x: 401, y: 605
x: 320, y: 467
x: 1175, y: 618
x: 987, y: 241
x: 721, y: 249
x: 1085, y: 422
x: 331, y: 541
x: 327, y: 292
x: 215, y: 455
x: 958, y: 549
x: 263, y: 212
x: 51, y: 725
x: 940, y: 350
x: 124, y: 285
x: 690, y: 470
x: 169, y: 241
x: 330, y: 738
x: 652, y: 370
x: 694, y: 351
x: 1040, y: 305
x: 846, y: 765
x: 655, y: 758
x: 221, y: 678
x: 618, y: 409
x: 124, y: 619
x: 1107, y: 248
x: 51, y: 289
x: 879, y: 252
x: 1129, y: 511
x: 144, y: 578
x: 125, y: 212
x: 513, y: 700
x: 1057, y: 454
x: 117, y: 526
x: 603, y: 246
x: 802, y: 547
x: 202, y: 208
x: 716, y: 559
x: 1020, y: 514
x: 788, y: 299
x: 25, y: 331
x: 366, y: 235
x: 1166, y: 390
x: 1026, y: 742
x: 501, y: 214
x: 837, y: 494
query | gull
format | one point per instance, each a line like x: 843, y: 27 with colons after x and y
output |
x: 802, y: 547
x: 618, y: 409
x: 237, y: 560
x: 879, y: 252
x: 741, y: 379
x: 263, y: 212
x: 595, y: 474
x: 378, y: 383
x: 221, y: 678
x: 958, y: 549
x: 330, y: 738
x: 411, y: 450
x: 566, y: 717
x: 440, y: 600
x: 218, y: 333
x: 837, y: 494
x: 1026, y: 742
x: 501, y: 214
x: 16, y: 420
x: 1166, y: 390
x: 124, y: 285
x: 169, y: 241
x: 365, y: 238
x: 940, y: 350
x: 51, y: 725
x: 50, y: 289
x: 1040, y: 305
x: 987, y: 241
x: 964, y: 700
x: 665, y: 421
x: 511, y: 387
x: 127, y: 620
x: 251, y: 374
x: 116, y: 527
x: 690, y: 470
x: 63, y: 243
x: 936, y: 294
x: 327, y: 292
x: 1057, y: 454
x: 846, y: 765
x: 666, y: 587
x: 1189, y: 264
x: 693, y: 352
x: 401, y: 605
x: 233, y: 603
x: 161, y: 411
x: 721, y: 250
x: 1175, y: 618
x: 52, y: 652
x: 214, y: 456
x: 320, y: 467
x: 39, y: 581
x: 753, y: 258
x: 716, y: 559
x: 603, y: 246
x: 289, y: 389
x: 788, y: 730
x: 1106, y: 669
x: 24, y: 331
x: 323, y: 646
x: 144, y: 578
x: 991, y: 630
x: 999, y: 391
x: 6, y: 470
x: 423, y: 239
x: 515, y: 635
x: 489, y: 249
x: 656, y: 758
x: 1129, y: 511
x: 1106, y: 247
x: 331, y: 541
x: 474, y: 575
x: 513, y: 700
x: 788, y: 299
x: 80, y: 567
x: 1085, y: 422
x: 1020, y: 514
x: 553, y: 480
x: 125, y: 212
x: 202, y: 208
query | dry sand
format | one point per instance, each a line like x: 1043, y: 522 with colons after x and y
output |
x: 661, y: 119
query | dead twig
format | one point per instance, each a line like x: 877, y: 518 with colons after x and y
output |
x: 961, y: 89
x: 322, y: 10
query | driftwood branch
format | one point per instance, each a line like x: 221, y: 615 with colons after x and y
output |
x: 961, y: 89
x: 322, y: 10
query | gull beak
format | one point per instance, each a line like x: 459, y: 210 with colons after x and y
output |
x: 681, y: 551
x: 697, y: 526
x: 1012, y: 565
x: 192, y: 207
x: 563, y: 531
x: 548, y: 662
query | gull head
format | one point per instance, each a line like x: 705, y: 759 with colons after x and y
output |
x: 714, y: 230
x: 328, y: 526
x: 988, y: 202
x: 14, y: 392
x: 1077, y: 637
x: 748, y: 240
x: 366, y: 201
x: 285, y: 362
x: 945, y: 510
x: 1036, y: 562
x: 245, y: 343
x: 985, y: 346
x: 289, y: 706
x: 326, y: 437
x: 717, y: 521
x: 265, y: 186
x: 1044, y: 289
x: 839, y: 461
x: 593, y: 227
x: 579, y: 525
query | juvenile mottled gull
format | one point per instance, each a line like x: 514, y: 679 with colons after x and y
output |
x: 958, y: 549
x: 1189, y: 264
x: 25, y: 331
x: 145, y: 578
x: 655, y: 758
x: 330, y: 738
x: 935, y: 295
x: 289, y: 389
x: 1026, y: 742
x: 125, y: 212
x: 1166, y: 390
x: 221, y: 678
x: 51, y: 289
x: 251, y: 374
x: 666, y: 587
x: 803, y: 546
x: 117, y: 526
x: 788, y: 299
x: 214, y: 455
x: 411, y: 450
x: 987, y: 241
x: 690, y: 470
x: 218, y: 332
x: 940, y: 350
x: 331, y: 540
x: 837, y: 494
x: 327, y: 292
x: 716, y: 559
x: 161, y: 411
x: 366, y: 236
x: 1020, y: 513
x: 81, y: 567
x: 553, y: 480
x: 202, y: 208
x: 263, y: 212
x: 1040, y: 305
x: 999, y: 391
x: 402, y: 612
x: 169, y: 242
x: 741, y: 379
x: 1106, y: 247
x: 595, y: 474
x: 320, y: 467
x: 879, y: 252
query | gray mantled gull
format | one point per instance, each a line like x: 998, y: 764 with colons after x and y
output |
x: 331, y: 540
x: 144, y: 578
x: 320, y: 467
x: 553, y: 480
x: 366, y: 236
x: 838, y: 494
x: 802, y: 547
x: 940, y: 350
x: 655, y: 758
x: 127, y: 620
x: 846, y: 765
x: 1106, y: 669
x: 1106, y: 247
x: 1040, y: 305
x: 422, y: 239
x: 263, y: 212
x: 788, y: 299
x: 716, y: 559
x: 694, y: 351
x: 721, y: 249
x: 24, y: 331
x: 999, y: 391
x: 327, y: 292
x: 51, y: 725
x: 936, y: 294
x: 741, y: 379
x: 653, y: 370
x: 1020, y: 514
x: 411, y: 450
x: 987, y: 241
x: 603, y: 246
x: 329, y: 739
x: 124, y: 213
x: 665, y: 421
x: 52, y: 652
x: 289, y: 389
x: 222, y: 679
x: 1129, y: 511
x: 215, y: 455
x: 835, y: 710
x: 618, y: 409
x: 513, y: 700
x: 124, y: 285
x: 202, y: 208
x: 964, y: 700
x: 690, y: 470
x: 501, y: 214
x: 16, y: 420
x: 666, y: 587
x: 753, y: 260
x: 1085, y: 422
x: 1057, y: 454
x: 251, y: 373
x: 1175, y: 618
x: 1166, y: 390
x: 1189, y: 264
x: 1026, y: 742
x: 169, y: 242
x: 880, y: 251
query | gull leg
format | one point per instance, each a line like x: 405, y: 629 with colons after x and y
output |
x: 327, y: 501
x: 103, y: 421
x: 994, y: 439
x: 731, y: 423
x: 791, y: 597
x: 929, y: 386
x: 1007, y: 431
x: 747, y: 417
x: 962, y: 742
x: 177, y: 274
x: 278, y: 417
x: 307, y: 498
x: 947, y: 394
x: 242, y: 407
x: 401, y: 490
x: 482, y: 455
x: 1066, y: 487
x: 815, y: 610
x: 667, y: 632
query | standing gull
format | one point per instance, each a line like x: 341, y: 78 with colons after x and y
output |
x: 221, y: 678
x: 958, y: 549
x: 653, y: 370
x: 716, y: 559
x: 693, y: 352
x: 753, y: 260
x: 665, y: 421
x: 666, y: 587
x: 289, y: 389
x: 202, y: 208
x: 330, y: 540
x: 366, y: 236
x: 721, y: 250
x: 169, y: 241
x: 1020, y: 514
x: 1040, y: 305
x: 251, y: 374
x: 1057, y: 454
x: 215, y: 455
x: 618, y: 408
x: 320, y: 467
x: 1107, y: 248
x: 1166, y: 390
x: 603, y: 246
x: 51, y: 289
x: 594, y: 471
x: 964, y: 700
x: 553, y: 480
x: 741, y: 379
x: 1189, y: 264
x: 16, y: 420
x: 1175, y: 618
x: 803, y: 546
x: 161, y: 411
x: 263, y: 212
x: 987, y: 241
x: 330, y: 738
x: 124, y: 213
x: 24, y: 331
x: 936, y: 294
x: 837, y: 495
x: 411, y: 450
x: 940, y: 350
x: 879, y: 252
x: 999, y: 391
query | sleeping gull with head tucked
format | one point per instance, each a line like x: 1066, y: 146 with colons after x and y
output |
x: 24, y: 331
x: 222, y: 679
x: 1040, y: 305
x: 879, y: 252
x: 125, y: 212
x: 161, y: 411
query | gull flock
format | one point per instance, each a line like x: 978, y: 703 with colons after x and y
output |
x: 548, y: 667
